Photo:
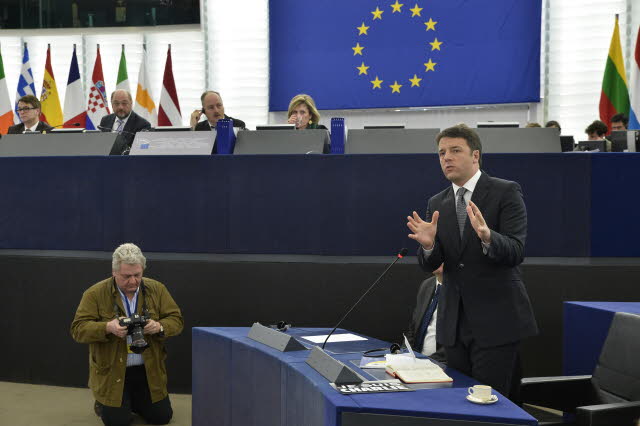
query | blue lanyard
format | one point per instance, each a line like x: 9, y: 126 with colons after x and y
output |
x: 126, y: 302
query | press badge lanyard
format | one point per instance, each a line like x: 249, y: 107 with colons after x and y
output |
x: 128, y: 304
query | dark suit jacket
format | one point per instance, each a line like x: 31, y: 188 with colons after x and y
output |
x: 488, y: 286
x: 425, y: 294
x: 123, y: 142
x: 204, y: 125
x: 19, y: 128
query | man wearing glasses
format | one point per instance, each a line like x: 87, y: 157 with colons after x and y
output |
x: 29, y: 113
x: 123, y: 121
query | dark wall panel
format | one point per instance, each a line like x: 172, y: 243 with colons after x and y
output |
x: 42, y: 293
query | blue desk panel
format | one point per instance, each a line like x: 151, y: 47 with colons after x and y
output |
x: 287, y: 204
x: 586, y: 325
x: 237, y: 381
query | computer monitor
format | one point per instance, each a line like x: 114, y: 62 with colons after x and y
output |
x: 567, y: 143
x: 276, y: 127
x: 593, y: 146
x: 171, y: 129
x: 492, y: 124
x: 384, y: 126
x: 618, y: 141
x: 68, y: 130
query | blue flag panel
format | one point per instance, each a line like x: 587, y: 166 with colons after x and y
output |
x: 380, y: 54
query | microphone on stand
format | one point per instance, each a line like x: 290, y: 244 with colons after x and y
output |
x: 399, y: 256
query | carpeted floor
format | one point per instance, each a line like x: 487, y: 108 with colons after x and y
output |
x: 38, y: 405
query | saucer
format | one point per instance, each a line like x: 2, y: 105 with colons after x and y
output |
x: 494, y: 398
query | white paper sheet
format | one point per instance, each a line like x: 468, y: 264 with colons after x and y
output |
x: 345, y: 337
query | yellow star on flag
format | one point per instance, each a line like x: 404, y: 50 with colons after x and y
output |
x: 395, y: 87
x: 416, y: 10
x: 363, y: 29
x: 430, y: 65
x: 363, y: 69
x: 377, y: 14
x: 396, y: 7
x: 358, y: 49
x: 431, y: 25
x: 415, y: 81
x: 435, y: 44
x: 377, y: 83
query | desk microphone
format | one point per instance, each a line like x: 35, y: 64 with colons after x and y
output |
x: 59, y: 126
x: 399, y: 256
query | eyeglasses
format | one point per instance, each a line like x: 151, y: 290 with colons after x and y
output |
x: 25, y: 109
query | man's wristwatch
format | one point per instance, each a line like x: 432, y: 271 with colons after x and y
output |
x: 161, y: 332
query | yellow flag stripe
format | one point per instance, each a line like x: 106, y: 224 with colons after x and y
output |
x: 615, y: 53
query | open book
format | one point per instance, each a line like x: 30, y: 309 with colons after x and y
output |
x: 410, y: 369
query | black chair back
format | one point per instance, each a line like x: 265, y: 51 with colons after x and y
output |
x: 617, y: 375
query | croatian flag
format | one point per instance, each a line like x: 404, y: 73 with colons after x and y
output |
x: 25, y: 82
x: 97, y: 107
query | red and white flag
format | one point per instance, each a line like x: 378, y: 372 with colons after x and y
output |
x: 97, y: 107
x: 169, y: 111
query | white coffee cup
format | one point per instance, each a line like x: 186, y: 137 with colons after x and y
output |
x: 481, y: 392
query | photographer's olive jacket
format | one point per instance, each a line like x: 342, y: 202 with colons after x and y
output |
x: 108, y: 353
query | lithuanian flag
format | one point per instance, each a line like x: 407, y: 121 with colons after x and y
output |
x: 6, y: 108
x: 614, y: 98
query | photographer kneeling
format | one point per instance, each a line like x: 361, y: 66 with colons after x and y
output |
x: 125, y: 319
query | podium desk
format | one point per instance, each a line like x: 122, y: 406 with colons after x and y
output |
x: 586, y: 325
x: 237, y: 381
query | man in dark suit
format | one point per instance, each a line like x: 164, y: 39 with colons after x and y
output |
x: 477, y: 227
x: 422, y: 329
x: 29, y: 112
x: 123, y: 121
x: 213, y: 109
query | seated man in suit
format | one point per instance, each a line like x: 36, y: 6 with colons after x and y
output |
x: 123, y: 121
x: 29, y: 112
x: 422, y: 330
x: 213, y: 109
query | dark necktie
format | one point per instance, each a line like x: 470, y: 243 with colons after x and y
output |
x: 461, y: 209
x: 426, y: 320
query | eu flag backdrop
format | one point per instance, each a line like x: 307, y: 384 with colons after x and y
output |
x: 350, y: 54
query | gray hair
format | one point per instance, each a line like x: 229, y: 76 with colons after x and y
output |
x: 130, y: 254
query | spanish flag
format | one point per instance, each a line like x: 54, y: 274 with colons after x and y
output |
x: 50, y: 110
x: 6, y: 108
x: 614, y: 98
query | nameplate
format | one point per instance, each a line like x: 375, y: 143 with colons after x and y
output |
x: 372, y: 387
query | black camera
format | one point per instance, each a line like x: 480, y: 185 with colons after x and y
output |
x: 135, y: 325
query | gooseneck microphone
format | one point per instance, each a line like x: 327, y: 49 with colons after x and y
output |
x: 399, y: 256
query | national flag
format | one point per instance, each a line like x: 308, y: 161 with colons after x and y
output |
x: 634, y: 88
x: 6, y: 111
x: 169, y: 111
x: 145, y: 106
x: 97, y: 106
x: 123, y: 77
x: 75, y: 115
x: 50, y: 110
x: 25, y: 82
x: 387, y: 55
x: 614, y: 98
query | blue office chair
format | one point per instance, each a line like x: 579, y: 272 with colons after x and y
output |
x: 609, y: 397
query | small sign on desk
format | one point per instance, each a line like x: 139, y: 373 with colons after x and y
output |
x: 372, y: 387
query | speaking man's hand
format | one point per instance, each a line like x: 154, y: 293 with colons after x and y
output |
x: 423, y: 232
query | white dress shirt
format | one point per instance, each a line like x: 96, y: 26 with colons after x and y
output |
x: 429, y: 346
